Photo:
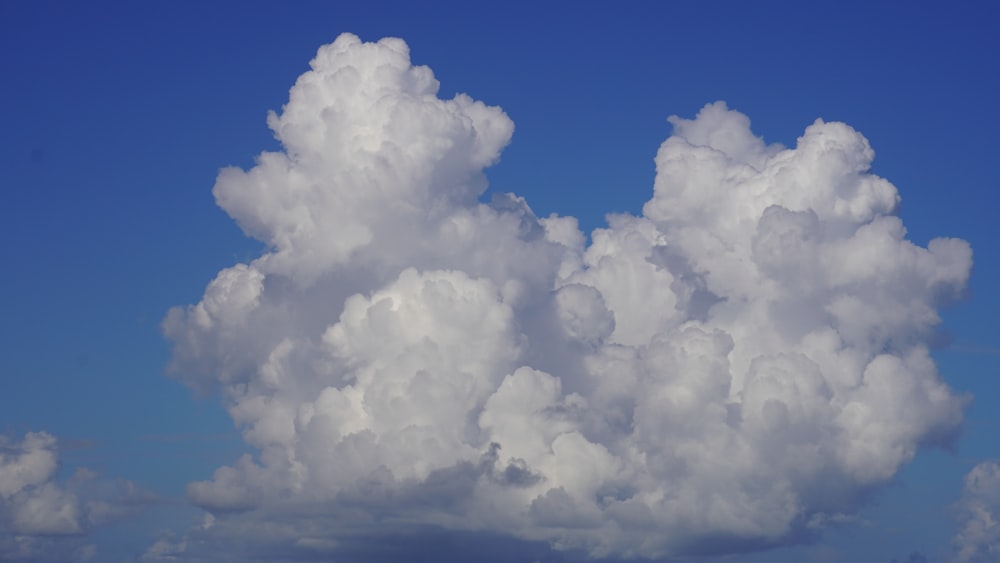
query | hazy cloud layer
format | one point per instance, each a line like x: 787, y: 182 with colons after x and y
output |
x: 731, y: 370
x: 42, y: 519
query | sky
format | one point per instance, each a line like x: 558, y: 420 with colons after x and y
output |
x: 375, y: 281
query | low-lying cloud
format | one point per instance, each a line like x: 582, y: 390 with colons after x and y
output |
x: 978, y: 537
x: 733, y: 369
x: 44, y: 519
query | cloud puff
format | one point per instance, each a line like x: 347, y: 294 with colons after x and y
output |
x: 740, y: 364
x: 42, y: 519
x: 33, y: 504
x: 978, y: 539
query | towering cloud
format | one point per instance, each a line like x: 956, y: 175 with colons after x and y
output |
x: 730, y: 370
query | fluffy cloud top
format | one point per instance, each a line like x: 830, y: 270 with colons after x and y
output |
x: 730, y: 370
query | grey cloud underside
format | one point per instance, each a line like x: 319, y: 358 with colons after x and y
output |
x: 736, y: 367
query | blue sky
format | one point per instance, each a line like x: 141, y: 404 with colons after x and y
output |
x: 120, y: 115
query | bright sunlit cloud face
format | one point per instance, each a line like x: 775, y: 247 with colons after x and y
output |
x: 733, y: 369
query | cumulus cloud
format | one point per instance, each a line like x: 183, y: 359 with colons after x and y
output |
x: 43, y: 519
x: 978, y: 538
x: 732, y: 369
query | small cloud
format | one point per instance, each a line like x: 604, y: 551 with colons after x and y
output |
x: 978, y: 537
x: 41, y: 518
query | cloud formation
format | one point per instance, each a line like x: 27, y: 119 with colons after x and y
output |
x: 978, y: 538
x: 42, y: 519
x: 737, y: 366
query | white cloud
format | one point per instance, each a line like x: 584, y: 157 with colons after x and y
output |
x: 744, y: 360
x: 32, y: 504
x: 978, y: 539
x: 43, y: 519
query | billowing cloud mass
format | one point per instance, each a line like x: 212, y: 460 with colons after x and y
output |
x: 733, y: 369
x: 978, y: 539
x: 42, y: 519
